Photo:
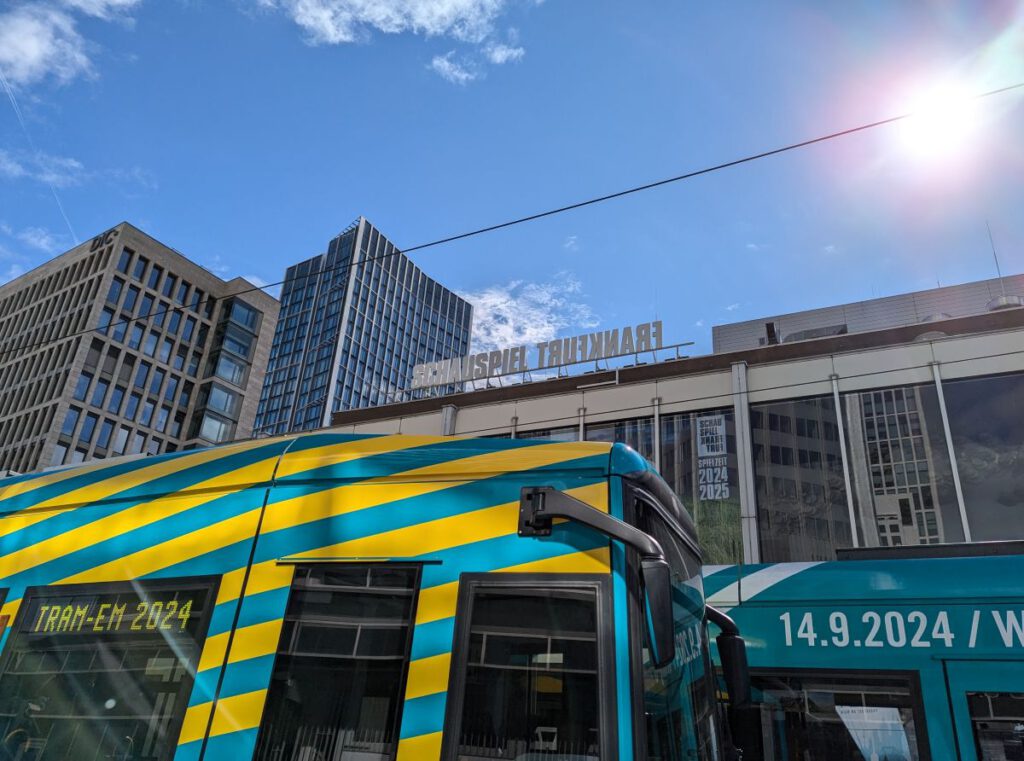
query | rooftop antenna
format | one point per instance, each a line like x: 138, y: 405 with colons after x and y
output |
x: 995, y: 256
x: 1002, y: 301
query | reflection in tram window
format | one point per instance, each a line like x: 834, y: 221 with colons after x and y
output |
x: 101, y: 671
x: 531, y: 677
x: 839, y: 718
x: 998, y: 722
x: 341, y: 662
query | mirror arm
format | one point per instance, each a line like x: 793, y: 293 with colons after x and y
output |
x: 539, y: 505
x: 721, y: 620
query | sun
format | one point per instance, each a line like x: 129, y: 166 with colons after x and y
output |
x: 942, y: 124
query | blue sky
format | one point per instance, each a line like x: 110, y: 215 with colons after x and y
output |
x: 246, y: 133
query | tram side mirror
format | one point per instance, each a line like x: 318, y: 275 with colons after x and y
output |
x: 732, y: 652
x: 657, y: 579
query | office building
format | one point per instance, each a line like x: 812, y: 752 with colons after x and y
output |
x: 123, y: 346
x: 353, y: 323
x: 907, y: 434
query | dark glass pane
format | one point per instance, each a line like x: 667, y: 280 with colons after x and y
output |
x: 101, y: 672
x: 903, y: 494
x: 986, y: 420
x: 698, y: 460
x: 638, y: 434
x: 532, y: 683
x: 801, y: 500
x: 835, y: 717
x: 997, y: 719
x: 340, y: 629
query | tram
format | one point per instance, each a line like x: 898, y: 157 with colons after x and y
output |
x: 330, y: 597
x: 905, y: 654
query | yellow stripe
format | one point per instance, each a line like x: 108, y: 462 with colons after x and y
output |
x: 175, y: 550
x: 138, y: 517
x: 420, y: 748
x: 437, y: 602
x: 213, y: 651
x: 347, y: 498
x: 333, y: 454
x: 428, y: 676
x: 194, y: 725
x: 238, y: 712
x: 256, y: 640
x: 101, y: 490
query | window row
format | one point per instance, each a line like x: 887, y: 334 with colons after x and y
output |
x: 153, y: 276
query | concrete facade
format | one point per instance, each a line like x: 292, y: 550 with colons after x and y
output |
x: 873, y: 314
x: 903, y: 436
x: 121, y: 345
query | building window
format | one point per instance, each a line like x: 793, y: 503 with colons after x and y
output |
x: 141, y: 374
x: 238, y: 342
x: 116, y: 285
x: 172, y: 388
x: 135, y: 339
x: 88, y: 428
x: 124, y: 260
x: 119, y: 328
x: 154, y: 276
x: 244, y: 315
x: 131, y: 297
x: 60, y: 451
x: 162, y: 417
x: 138, y: 442
x: 133, y: 406
x: 103, y: 440
x: 222, y: 400
x: 174, y: 322
x: 801, y: 502
x: 567, y: 433
x: 99, y: 394
x: 698, y: 460
x: 150, y: 348
x: 70, y: 421
x: 189, y: 329
x: 986, y: 421
x: 215, y: 429
x: 230, y: 370
x: 902, y: 482
x: 147, y: 306
x: 637, y: 434
x: 158, y: 381
x: 120, y: 440
x: 182, y: 292
x: 106, y: 316
x: 169, y: 282
x: 116, y: 397
x: 82, y: 387
x: 140, y: 268
x: 147, y: 413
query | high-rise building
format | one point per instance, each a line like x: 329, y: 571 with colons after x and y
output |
x: 123, y: 346
x: 353, y: 323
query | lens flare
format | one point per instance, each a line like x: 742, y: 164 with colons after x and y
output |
x: 943, y: 124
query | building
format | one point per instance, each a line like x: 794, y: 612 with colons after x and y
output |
x: 873, y: 314
x: 908, y: 434
x: 353, y: 323
x: 85, y: 373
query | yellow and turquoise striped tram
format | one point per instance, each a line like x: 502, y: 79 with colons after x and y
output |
x: 332, y: 597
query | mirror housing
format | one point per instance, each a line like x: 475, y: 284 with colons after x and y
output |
x: 732, y: 652
x: 657, y: 580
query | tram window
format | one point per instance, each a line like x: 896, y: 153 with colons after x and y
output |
x: 839, y: 717
x: 345, y: 625
x: 102, y: 671
x: 998, y: 722
x: 529, y: 676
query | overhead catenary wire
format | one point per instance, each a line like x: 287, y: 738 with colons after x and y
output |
x: 539, y: 215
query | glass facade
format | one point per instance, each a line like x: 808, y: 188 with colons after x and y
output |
x: 802, y: 510
x: 353, y: 323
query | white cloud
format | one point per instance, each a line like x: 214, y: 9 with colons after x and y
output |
x: 498, y: 53
x: 525, y: 312
x: 829, y: 249
x: 60, y: 171
x: 453, y: 71
x: 104, y: 9
x: 571, y: 243
x: 40, y: 40
x: 754, y: 247
x: 339, y: 21
x: 732, y: 307
x: 699, y: 324
x: 37, y: 42
x: 41, y: 239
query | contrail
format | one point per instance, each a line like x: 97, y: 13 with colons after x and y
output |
x: 21, y: 120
